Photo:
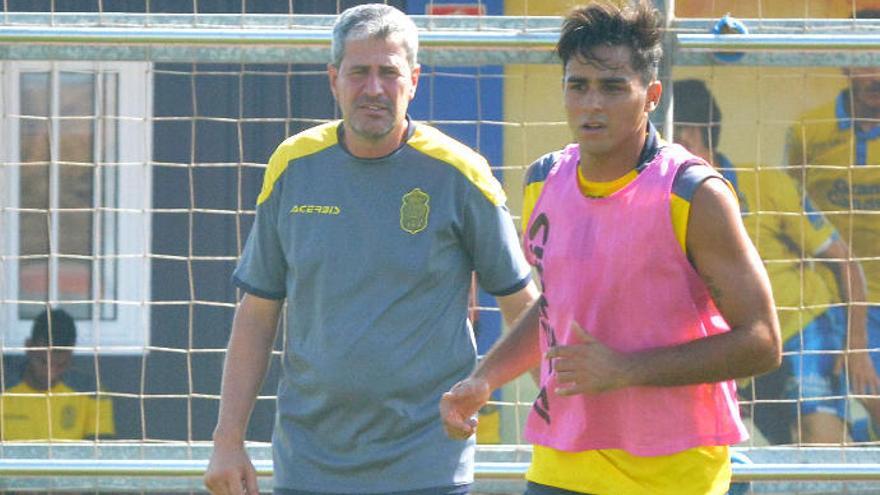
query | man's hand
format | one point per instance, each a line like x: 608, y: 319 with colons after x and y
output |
x: 459, y: 407
x: 589, y: 367
x: 230, y: 472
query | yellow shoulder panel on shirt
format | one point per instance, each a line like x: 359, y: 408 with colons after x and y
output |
x: 437, y: 145
x: 307, y: 142
x: 531, y: 193
x: 680, y: 209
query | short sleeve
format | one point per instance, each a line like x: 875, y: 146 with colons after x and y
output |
x: 492, y: 242
x: 262, y: 268
x: 819, y: 233
x: 805, y: 228
x: 536, y: 174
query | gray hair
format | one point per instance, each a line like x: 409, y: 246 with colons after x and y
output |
x: 374, y: 20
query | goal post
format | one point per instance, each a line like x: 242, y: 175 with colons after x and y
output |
x: 133, y: 145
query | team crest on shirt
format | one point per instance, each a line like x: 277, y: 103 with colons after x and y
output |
x: 414, y: 211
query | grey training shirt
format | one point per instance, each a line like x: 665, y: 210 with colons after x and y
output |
x: 375, y: 258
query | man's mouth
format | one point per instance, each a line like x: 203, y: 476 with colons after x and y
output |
x: 374, y: 107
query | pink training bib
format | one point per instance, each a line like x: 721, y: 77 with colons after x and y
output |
x: 613, y: 265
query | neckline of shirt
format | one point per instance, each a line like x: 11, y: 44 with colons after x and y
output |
x: 340, y: 137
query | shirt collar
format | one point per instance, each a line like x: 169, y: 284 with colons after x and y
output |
x: 842, y: 110
x: 649, y: 150
x: 410, y: 130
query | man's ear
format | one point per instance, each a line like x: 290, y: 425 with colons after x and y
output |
x: 332, y: 76
x: 655, y: 92
x: 416, y: 72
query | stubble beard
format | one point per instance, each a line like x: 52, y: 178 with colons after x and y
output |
x: 372, y: 132
x: 372, y: 129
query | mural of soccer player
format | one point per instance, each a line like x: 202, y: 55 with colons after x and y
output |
x: 786, y: 230
x: 833, y: 150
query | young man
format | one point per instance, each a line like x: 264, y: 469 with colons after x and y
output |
x: 787, y: 230
x: 833, y: 151
x: 370, y: 229
x: 640, y: 337
x: 42, y: 406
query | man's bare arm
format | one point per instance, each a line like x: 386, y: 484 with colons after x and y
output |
x: 519, y: 347
x: 513, y: 305
x: 729, y: 264
x: 247, y: 358
x: 515, y: 353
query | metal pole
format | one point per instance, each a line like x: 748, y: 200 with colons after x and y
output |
x: 483, y: 470
x: 665, y: 111
x: 779, y: 42
x: 267, y: 37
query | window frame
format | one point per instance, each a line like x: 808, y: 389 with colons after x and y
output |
x: 126, y: 329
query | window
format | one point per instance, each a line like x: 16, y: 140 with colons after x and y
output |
x: 75, y: 184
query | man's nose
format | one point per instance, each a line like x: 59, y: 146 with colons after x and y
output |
x: 373, y: 85
x: 592, y: 99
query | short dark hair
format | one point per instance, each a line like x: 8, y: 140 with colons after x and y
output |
x: 694, y: 104
x: 603, y: 23
x: 55, y: 328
